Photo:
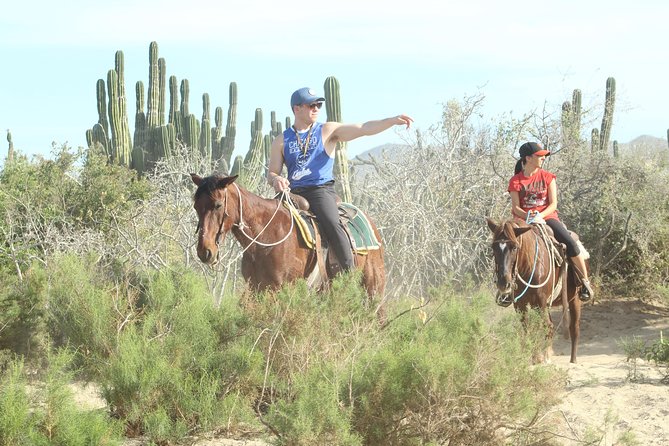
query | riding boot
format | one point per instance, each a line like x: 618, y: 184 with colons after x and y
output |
x: 586, y: 292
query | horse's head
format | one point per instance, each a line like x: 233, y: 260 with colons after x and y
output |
x: 505, y: 247
x: 215, y: 210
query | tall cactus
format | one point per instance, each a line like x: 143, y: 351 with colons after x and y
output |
x: 165, y: 137
x: 594, y: 141
x: 175, y: 117
x: 10, y: 149
x: 571, y: 120
x: 607, y: 119
x: 153, y: 99
x: 217, y: 136
x: 237, y: 165
x: 205, y: 131
x: 333, y: 107
x: 162, y: 76
x: 101, y: 93
x: 97, y: 137
x: 120, y: 150
x: 231, y: 125
x: 123, y: 106
x: 253, y: 168
x: 140, y: 116
x: 141, y: 135
x: 576, y: 112
x: 191, y: 135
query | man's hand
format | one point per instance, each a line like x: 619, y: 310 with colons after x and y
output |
x: 404, y: 120
x: 280, y: 183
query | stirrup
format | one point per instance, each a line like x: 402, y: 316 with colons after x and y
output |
x: 586, y: 291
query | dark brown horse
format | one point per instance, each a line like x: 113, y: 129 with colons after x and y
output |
x: 274, y: 252
x: 526, y: 275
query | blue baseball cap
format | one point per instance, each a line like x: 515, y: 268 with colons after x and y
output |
x: 305, y: 95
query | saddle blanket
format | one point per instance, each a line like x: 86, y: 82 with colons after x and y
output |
x: 358, y: 227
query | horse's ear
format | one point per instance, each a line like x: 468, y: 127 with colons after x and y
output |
x: 492, y: 225
x: 224, y: 182
x: 197, y: 179
x: 520, y: 231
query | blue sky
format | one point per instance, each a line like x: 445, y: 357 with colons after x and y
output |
x: 389, y: 58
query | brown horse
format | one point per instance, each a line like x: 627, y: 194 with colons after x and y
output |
x: 274, y: 253
x: 527, y: 275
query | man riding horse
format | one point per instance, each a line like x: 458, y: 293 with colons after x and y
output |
x: 308, y: 150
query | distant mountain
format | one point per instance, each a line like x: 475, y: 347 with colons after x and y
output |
x: 644, y: 145
x: 378, y: 151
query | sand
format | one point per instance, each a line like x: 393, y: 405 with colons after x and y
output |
x: 608, y: 398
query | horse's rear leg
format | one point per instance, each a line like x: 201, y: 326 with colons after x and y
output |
x: 574, y: 324
x: 574, y: 314
x: 374, y: 282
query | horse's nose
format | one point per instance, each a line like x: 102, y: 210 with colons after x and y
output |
x: 206, y: 255
x: 503, y: 285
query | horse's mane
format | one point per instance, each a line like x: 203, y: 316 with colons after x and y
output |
x: 208, y: 185
x: 505, y: 229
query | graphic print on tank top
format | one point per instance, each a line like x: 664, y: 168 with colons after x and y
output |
x: 534, y: 195
x: 304, y: 147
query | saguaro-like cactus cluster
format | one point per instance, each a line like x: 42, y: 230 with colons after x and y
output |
x: 153, y: 139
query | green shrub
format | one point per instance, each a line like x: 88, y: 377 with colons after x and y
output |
x: 336, y: 377
x: 22, y: 328
x: 50, y: 416
x: 170, y: 371
x: 15, y: 426
x: 634, y: 348
x: 658, y: 352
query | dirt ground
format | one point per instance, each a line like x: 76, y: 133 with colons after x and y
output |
x: 601, y: 405
x: 601, y: 401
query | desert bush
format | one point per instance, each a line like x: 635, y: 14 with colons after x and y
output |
x: 658, y: 352
x: 335, y: 376
x: 22, y: 328
x: 49, y: 415
x: 168, y: 361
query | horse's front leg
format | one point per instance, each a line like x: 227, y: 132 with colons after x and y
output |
x: 550, y: 332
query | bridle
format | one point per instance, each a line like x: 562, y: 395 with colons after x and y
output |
x: 503, y: 299
x: 241, y: 225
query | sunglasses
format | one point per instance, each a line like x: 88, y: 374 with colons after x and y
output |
x: 315, y: 105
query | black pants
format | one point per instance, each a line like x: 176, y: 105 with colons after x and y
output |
x: 562, y: 235
x: 323, y: 203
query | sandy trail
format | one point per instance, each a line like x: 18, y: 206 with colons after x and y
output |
x: 598, y: 386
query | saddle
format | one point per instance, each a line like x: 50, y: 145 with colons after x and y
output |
x: 358, y: 228
x: 559, y: 249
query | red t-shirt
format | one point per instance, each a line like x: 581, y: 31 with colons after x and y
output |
x: 533, y: 191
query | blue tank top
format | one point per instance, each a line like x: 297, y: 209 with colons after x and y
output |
x: 307, y: 166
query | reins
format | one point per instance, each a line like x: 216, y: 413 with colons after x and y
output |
x: 241, y: 225
x: 254, y: 240
x: 551, y: 260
